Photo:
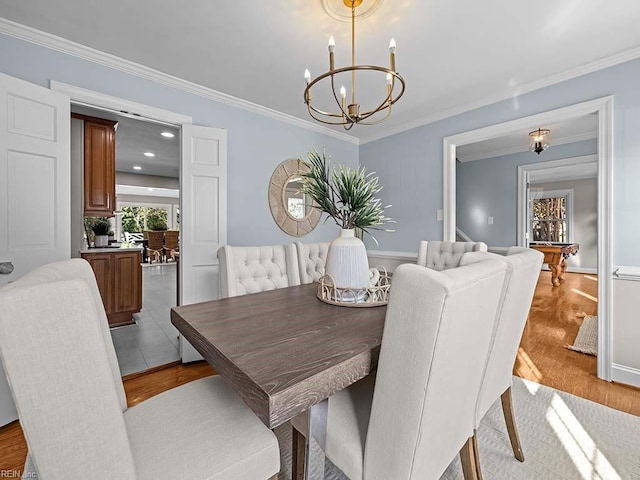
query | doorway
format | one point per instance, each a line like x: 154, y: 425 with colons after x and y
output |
x: 147, y: 196
x: 603, y: 109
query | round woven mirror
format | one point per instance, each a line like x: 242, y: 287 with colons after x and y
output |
x: 291, y: 210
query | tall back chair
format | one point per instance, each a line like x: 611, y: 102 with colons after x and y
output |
x: 419, y: 414
x: 257, y: 269
x: 312, y: 258
x: 79, y: 269
x: 171, y: 244
x: 523, y: 270
x: 444, y: 255
x: 61, y: 379
x: 156, y: 244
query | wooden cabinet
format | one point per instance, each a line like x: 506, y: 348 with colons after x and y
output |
x: 119, y: 277
x: 99, y: 166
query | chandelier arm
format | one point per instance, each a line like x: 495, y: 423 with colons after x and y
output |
x: 389, y: 99
x: 333, y: 90
x: 321, y: 120
x: 344, y: 115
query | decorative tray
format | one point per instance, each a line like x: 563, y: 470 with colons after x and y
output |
x: 372, y: 296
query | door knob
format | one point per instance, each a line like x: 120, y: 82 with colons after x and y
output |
x: 6, y: 268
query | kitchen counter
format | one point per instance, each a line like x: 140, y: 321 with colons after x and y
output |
x: 110, y: 250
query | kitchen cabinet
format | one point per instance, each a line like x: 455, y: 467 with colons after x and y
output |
x: 119, y: 276
x: 99, y: 166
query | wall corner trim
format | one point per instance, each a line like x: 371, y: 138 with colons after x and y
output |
x: 626, y: 375
x: 53, y: 42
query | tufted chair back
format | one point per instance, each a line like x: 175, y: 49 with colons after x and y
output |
x: 311, y: 260
x: 257, y: 269
x: 445, y: 255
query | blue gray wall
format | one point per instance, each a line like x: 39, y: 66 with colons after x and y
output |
x: 410, y: 163
x: 256, y: 144
x: 488, y: 188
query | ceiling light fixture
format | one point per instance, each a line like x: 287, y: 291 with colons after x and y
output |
x: 149, y: 154
x: 539, y: 140
x: 167, y: 134
x: 348, y: 114
x: 137, y: 167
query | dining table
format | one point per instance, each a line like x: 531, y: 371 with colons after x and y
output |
x: 284, y: 352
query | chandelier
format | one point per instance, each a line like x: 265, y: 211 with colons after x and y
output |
x: 348, y: 113
x: 539, y: 140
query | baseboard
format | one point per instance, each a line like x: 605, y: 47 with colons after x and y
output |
x: 626, y: 375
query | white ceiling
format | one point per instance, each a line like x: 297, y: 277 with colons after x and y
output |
x: 135, y: 137
x: 577, y: 129
x: 451, y: 53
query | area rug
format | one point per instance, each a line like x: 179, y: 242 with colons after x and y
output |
x: 563, y: 437
x: 587, y: 339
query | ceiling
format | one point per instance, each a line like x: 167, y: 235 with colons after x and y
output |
x: 451, y: 54
x: 577, y: 129
x: 135, y: 137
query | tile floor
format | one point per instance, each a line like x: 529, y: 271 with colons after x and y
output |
x: 152, y: 341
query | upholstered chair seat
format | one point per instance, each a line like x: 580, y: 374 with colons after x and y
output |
x: 257, y: 269
x: 444, y: 255
x: 418, y: 413
x: 72, y: 407
x: 312, y: 258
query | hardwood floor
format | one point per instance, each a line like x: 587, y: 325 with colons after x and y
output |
x: 542, y: 358
x: 552, y: 324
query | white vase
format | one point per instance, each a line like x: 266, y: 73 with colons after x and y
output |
x: 347, y: 261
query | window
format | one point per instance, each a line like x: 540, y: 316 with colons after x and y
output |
x: 550, y: 218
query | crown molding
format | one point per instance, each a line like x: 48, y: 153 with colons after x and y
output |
x: 511, y: 92
x: 510, y: 151
x: 53, y: 42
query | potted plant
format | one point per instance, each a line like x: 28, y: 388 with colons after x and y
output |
x: 101, y: 227
x: 348, y: 196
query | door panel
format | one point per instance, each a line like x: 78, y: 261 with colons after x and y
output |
x: 35, y: 186
x: 203, y: 216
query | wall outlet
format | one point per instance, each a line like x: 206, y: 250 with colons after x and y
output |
x: 490, y: 220
x: 439, y: 215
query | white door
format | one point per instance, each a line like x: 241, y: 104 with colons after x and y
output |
x: 34, y: 181
x: 203, y: 217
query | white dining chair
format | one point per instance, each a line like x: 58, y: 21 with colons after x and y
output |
x: 257, y: 269
x: 439, y: 255
x: 523, y: 270
x: 70, y: 406
x: 418, y: 414
x: 312, y: 258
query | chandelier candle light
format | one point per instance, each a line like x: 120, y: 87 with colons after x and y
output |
x: 348, y: 114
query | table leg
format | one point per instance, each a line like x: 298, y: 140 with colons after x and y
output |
x: 316, y: 441
x: 555, y: 273
x: 563, y: 268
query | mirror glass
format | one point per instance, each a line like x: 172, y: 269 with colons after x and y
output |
x: 298, y: 205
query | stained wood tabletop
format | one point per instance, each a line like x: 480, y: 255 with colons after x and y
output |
x: 284, y: 350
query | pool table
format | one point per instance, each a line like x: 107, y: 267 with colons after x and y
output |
x: 555, y: 255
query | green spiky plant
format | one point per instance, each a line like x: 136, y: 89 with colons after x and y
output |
x: 345, y: 194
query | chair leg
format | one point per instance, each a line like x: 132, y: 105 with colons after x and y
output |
x: 476, y: 454
x: 510, y: 420
x: 467, y: 458
x: 297, y: 455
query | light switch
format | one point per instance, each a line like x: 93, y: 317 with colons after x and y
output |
x: 439, y: 215
x: 490, y: 220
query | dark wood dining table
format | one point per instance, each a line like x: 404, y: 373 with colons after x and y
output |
x: 285, y: 352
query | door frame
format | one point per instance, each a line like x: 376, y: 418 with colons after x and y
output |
x: 603, y: 107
